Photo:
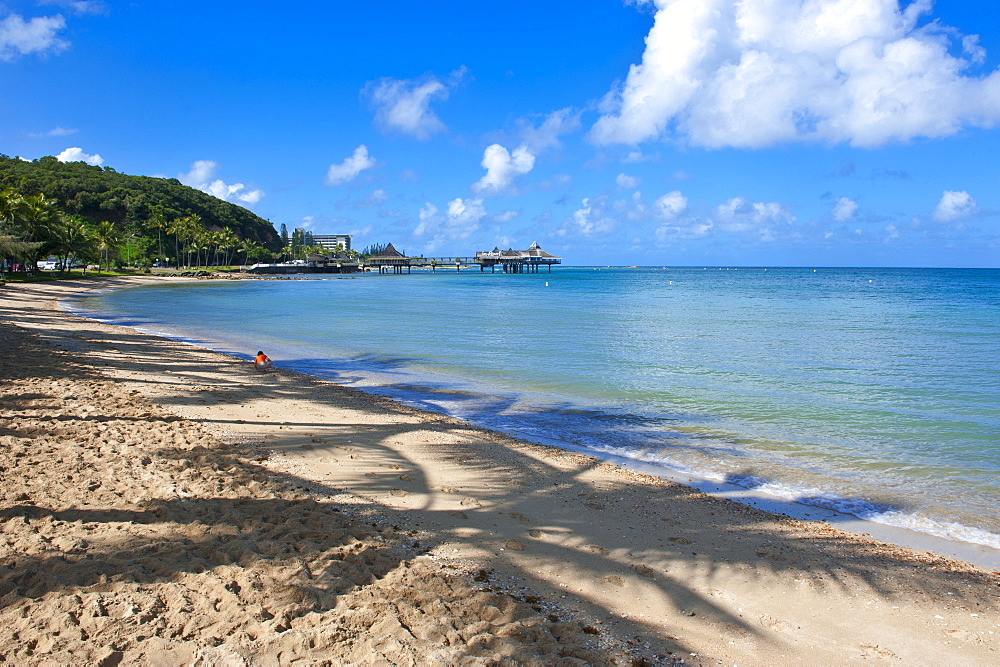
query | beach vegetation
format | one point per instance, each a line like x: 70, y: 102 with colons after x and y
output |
x: 106, y: 238
x: 39, y: 195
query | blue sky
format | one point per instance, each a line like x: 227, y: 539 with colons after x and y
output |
x: 666, y: 132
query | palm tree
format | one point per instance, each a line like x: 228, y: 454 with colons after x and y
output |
x: 106, y: 238
x: 12, y: 247
x: 178, y: 228
x: 11, y: 206
x: 159, y: 221
x: 193, y: 229
x: 228, y: 241
x: 212, y: 240
x: 250, y: 247
x: 33, y: 219
x: 73, y: 239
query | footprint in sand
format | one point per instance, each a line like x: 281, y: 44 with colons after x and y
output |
x: 613, y: 579
x: 399, y: 492
x: 514, y: 545
x: 519, y: 516
x: 534, y: 532
x: 594, y: 506
x: 469, y: 502
x: 404, y: 477
x: 644, y: 571
x: 679, y: 540
x: 773, y: 624
x: 371, y: 475
x: 594, y: 548
x: 883, y: 653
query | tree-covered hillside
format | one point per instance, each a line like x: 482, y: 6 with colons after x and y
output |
x: 98, y: 194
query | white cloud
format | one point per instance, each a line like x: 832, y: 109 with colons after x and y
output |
x: 403, y: 105
x: 845, y: 209
x: 502, y: 168
x: 756, y: 73
x: 741, y: 216
x: 375, y: 198
x: 954, y: 206
x: 80, y: 7
x: 464, y: 216
x: 54, y: 132
x: 637, y: 156
x: 546, y: 135
x: 671, y: 205
x: 505, y: 216
x: 461, y: 219
x: 37, y: 35
x: 76, y: 154
x: 427, y: 219
x: 684, y: 230
x: 591, y: 219
x: 350, y: 167
x: 202, y: 177
x: 626, y: 182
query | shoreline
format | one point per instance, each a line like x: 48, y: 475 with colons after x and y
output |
x: 619, y: 552
x: 894, y: 531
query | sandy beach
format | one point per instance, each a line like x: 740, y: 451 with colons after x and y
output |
x: 163, y: 504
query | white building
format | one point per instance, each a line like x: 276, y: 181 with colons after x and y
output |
x: 329, y: 241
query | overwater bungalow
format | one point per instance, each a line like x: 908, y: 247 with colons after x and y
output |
x: 518, y: 261
x: 389, y: 260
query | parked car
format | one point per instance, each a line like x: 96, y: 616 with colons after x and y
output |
x: 50, y: 265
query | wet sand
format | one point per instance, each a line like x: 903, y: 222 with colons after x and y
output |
x: 166, y: 504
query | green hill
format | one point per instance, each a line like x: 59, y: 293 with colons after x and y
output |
x: 97, y: 193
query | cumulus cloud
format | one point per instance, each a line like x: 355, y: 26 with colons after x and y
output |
x: 591, y: 219
x: 740, y: 215
x: 202, y: 177
x: 671, y: 205
x: 428, y: 219
x: 76, y: 154
x: 954, y: 206
x: 756, y: 73
x: 349, y: 169
x: 844, y: 210
x: 626, y: 182
x: 502, y: 168
x: 403, y: 105
x: 37, y: 35
x: 461, y: 219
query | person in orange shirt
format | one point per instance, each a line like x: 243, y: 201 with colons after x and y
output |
x: 262, y: 362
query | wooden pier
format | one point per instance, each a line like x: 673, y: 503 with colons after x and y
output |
x: 510, y: 261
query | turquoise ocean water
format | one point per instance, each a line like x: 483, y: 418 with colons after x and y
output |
x: 874, y: 392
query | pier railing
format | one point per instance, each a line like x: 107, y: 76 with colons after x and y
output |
x: 481, y: 261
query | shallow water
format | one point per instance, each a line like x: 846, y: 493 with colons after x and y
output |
x: 870, y: 391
